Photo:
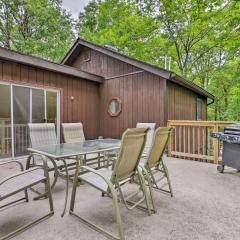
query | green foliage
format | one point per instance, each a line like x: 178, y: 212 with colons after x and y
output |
x: 120, y: 25
x: 202, y: 38
x: 37, y: 27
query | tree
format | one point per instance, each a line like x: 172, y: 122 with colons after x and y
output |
x: 120, y: 24
x: 193, y: 27
x: 37, y: 27
x: 202, y: 38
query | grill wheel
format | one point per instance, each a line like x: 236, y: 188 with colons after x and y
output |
x: 220, y: 168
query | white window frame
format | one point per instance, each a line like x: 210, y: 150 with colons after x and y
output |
x: 58, y: 103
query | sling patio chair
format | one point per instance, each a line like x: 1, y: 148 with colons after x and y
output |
x: 110, y: 181
x: 154, y: 164
x: 150, y: 136
x: 112, y: 156
x: 73, y: 133
x: 20, y: 182
x: 43, y: 134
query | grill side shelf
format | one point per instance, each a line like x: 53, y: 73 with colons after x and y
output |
x: 227, y: 137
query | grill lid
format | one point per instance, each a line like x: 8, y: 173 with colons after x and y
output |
x: 233, y: 129
x: 226, y: 137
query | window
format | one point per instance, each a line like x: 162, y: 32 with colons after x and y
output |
x: 199, y: 109
x: 27, y: 105
x: 115, y: 107
x: 87, y: 55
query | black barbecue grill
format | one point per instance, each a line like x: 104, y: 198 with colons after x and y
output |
x: 231, y: 146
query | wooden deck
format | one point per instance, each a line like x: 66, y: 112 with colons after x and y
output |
x: 205, y: 206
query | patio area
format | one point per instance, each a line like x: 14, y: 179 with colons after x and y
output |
x: 205, y: 206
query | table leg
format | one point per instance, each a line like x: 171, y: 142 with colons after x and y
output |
x: 67, y: 186
x: 75, y: 183
x: 99, y: 161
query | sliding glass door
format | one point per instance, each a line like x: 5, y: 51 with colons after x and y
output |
x: 21, y: 117
x: 38, y: 106
x: 20, y: 105
x: 5, y: 122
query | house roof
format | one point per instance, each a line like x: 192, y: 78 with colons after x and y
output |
x: 76, y: 48
x: 17, y: 57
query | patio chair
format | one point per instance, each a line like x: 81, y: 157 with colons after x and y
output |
x: 154, y: 163
x: 150, y: 136
x: 43, y: 134
x: 20, y: 182
x: 73, y: 133
x: 110, y: 181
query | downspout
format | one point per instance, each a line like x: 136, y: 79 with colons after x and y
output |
x: 211, y: 102
x: 208, y: 104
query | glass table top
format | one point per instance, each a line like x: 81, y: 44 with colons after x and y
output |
x: 74, y: 149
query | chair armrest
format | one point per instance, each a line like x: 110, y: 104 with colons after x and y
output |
x: 19, y: 174
x: 43, y: 158
x: 109, y: 183
x: 13, y: 161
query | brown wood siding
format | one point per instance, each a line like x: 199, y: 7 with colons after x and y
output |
x: 141, y: 94
x: 182, y: 104
x: 145, y: 97
x: 84, y: 107
x: 204, y: 108
x: 102, y: 65
x: 142, y: 101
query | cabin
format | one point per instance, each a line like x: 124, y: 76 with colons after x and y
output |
x: 146, y: 93
x: 96, y: 85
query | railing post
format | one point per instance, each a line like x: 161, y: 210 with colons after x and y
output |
x: 170, y: 141
x: 215, y: 146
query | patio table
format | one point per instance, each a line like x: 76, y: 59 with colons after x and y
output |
x: 64, y: 152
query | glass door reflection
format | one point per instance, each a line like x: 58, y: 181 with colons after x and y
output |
x: 21, y: 117
x: 5, y: 122
x: 20, y: 105
x: 38, y: 106
x: 51, y: 107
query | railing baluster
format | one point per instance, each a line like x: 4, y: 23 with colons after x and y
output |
x: 193, y: 132
x: 189, y: 140
x: 208, y: 142
x: 198, y: 140
x: 215, y: 146
x: 184, y: 139
x: 180, y: 139
x: 192, y: 140
x: 4, y: 140
x: 204, y: 141
x: 175, y: 139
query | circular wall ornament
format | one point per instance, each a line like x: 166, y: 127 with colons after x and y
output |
x: 114, y: 107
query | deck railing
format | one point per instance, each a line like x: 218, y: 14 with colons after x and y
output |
x: 192, y: 140
x: 21, y: 139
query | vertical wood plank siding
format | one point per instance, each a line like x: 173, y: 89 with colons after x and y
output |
x: 145, y: 97
x: 142, y: 94
x: 84, y: 108
x: 182, y: 103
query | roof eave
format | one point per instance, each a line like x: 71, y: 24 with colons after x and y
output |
x: 179, y: 80
x: 9, y: 55
x: 139, y: 64
x: 70, y: 51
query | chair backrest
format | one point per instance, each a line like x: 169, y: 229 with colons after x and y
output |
x: 150, y: 135
x: 132, y: 145
x: 73, y: 132
x: 160, y: 142
x: 42, y: 134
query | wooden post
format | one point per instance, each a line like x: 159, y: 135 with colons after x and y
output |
x: 170, y: 141
x: 215, y: 146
